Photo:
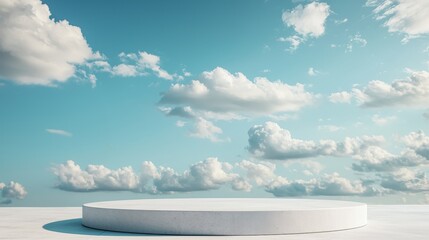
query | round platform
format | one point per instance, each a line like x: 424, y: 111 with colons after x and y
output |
x: 224, y: 216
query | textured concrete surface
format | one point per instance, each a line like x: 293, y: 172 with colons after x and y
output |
x: 385, y: 222
x: 225, y: 216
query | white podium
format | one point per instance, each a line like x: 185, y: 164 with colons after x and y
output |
x: 224, y: 216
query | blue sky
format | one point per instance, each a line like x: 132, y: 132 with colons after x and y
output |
x: 103, y: 100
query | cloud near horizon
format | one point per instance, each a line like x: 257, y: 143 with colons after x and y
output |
x: 205, y: 175
x: 12, y: 190
x: 271, y: 142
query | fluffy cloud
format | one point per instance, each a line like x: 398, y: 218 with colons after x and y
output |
x: 406, y: 180
x: 12, y: 190
x: 206, y: 130
x: 125, y: 70
x: 205, y: 175
x: 59, y: 132
x: 327, y: 185
x: 412, y: 91
x: 262, y: 173
x: 308, y: 20
x: 222, y: 92
x: 133, y: 65
x: 270, y: 141
x: 221, y: 95
x: 341, y: 97
x: 95, y: 177
x: 403, y: 16
x: 36, y: 49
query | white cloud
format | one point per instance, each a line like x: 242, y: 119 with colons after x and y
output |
x: 222, y: 92
x: 12, y: 190
x: 410, y: 92
x: 294, y: 41
x: 327, y: 185
x: 239, y: 184
x: 341, y: 21
x: 36, y: 49
x: 406, y: 180
x: 312, y: 72
x: 356, y: 40
x: 59, y: 132
x: 180, y: 123
x: 150, y: 61
x: 341, y: 97
x: 125, y: 70
x: 308, y: 20
x: 220, y: 95
x: 206, y: 130
x: 205, y: 175
x: 377, y: 119
x: 139, y: 64
x: 261, y: 173
x: 95, y: 177
x: 270, y: 141
x: 403, y: 16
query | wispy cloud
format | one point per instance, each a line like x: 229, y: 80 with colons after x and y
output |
x: 59, y: 132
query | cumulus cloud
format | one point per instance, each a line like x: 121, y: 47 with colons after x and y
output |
x: 205, y: 175
x: 206, y: 130
x: 410, y: 92
x: 327, y: 185
x: 35, y: 48
x: 12, y: 190
x: 59, y: 132
x: 341, y: 97
x: 406, y: 180
x: 403, y: 16
x: 220, y: 95
x: 261, y: 173
x: 270, y: 141
x: 307, y: 21
x: 95, y: 177
x: 222, y: 92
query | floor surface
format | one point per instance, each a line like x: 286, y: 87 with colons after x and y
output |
x: 385, y: 222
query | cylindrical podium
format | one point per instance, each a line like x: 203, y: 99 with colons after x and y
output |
x: 224, y: 216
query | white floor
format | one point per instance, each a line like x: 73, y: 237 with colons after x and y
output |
x: 385, y: 222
